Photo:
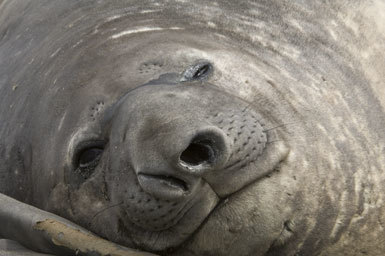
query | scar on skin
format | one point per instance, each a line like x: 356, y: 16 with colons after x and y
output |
x: 78, y: 241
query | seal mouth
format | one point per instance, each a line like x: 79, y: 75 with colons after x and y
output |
x: 165, y: 186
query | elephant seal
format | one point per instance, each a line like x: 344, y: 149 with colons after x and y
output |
x: 199, y: 128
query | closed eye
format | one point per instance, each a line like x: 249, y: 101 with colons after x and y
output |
x: 199, y: 71
x: 87, y: 158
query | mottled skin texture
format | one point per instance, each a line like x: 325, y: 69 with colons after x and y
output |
x: 310, y: 72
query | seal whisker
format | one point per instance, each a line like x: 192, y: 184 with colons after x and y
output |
x: 156, y: 239
x: 274, y: 141
x: 250, y: 106
x: 103, y: 210
x: 279, y: 126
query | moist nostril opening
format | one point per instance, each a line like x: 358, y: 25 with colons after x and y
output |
x: 198, y: 152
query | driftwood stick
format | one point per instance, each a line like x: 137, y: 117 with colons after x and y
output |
x: 48, y: 233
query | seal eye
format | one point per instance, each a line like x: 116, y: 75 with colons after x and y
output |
x: 89, y: 156
x: 199, y: 71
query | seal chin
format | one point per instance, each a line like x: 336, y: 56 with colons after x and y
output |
x: 163, y: 224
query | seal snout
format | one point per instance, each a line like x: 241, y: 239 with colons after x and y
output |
x: 179, y: 147
x: 205, y: 152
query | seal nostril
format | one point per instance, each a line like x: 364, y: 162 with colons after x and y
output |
x: 198, y: 152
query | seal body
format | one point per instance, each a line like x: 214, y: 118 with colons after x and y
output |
x: 199, y: 128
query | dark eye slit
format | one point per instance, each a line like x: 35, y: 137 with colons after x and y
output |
x: 199, y: 71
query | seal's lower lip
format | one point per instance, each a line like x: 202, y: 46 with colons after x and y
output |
x: 167, y: 187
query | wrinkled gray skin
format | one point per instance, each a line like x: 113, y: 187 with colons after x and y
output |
x: 277, y: 148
